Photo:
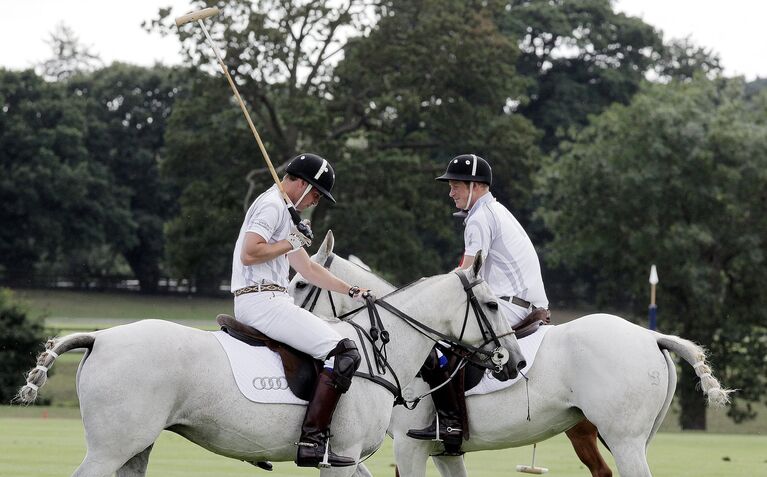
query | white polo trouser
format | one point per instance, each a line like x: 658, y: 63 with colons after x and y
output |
x: 275, y: 315
x: 514, y: 314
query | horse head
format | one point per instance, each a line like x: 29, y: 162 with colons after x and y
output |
x: 488, y: 324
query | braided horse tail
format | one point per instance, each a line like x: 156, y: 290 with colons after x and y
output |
x: 696, y: 356
x: 37, y: 377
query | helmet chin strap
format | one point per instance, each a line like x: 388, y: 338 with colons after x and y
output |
x: 306, y: 191
x: 468, y: 201
x: 323, y: 168
x: 471, y: 184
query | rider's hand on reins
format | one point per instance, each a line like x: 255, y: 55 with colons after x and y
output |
x: 361, y: 295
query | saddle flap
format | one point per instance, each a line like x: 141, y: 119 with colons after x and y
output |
x: 531, y: 323
x: 301, y: 370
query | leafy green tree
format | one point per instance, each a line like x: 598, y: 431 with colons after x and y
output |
x: 682, y: 60
x: 56, y: 200
x: 432, y: 80
x: 20, y: 340
x: 127, y: 109
x: 281, y: 54
x: 580, y: 56
x: 209, y: 156
x: 677, y: 178
x: 393, y: 214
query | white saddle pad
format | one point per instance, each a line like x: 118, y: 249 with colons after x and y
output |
x: 529, y: 347
x: 258, y: 371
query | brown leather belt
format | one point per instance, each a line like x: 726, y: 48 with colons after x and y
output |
x: 518, y: 301
x: 269, y: 287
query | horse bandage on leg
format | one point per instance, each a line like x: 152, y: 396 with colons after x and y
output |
x: 347, y: 360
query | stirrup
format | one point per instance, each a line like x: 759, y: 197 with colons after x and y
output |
x: 447, y: 429
x: 325, y: 464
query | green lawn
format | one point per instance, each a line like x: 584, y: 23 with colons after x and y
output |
x: 68, y: 310
x: 43, y: 447
x: 62, y: 304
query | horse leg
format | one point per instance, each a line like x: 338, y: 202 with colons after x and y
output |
x: 411, y: 456
x: 136, y: 466
x: 362, y: 471
x: 450, y: 465
x: 630, y: 456
x: 583, y: 437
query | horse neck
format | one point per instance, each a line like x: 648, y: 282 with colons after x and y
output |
x: 354, y: 275
x: 428, y: 302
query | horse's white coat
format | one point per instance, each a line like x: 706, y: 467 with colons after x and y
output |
x: 141, y: 378
x: 616, y: 374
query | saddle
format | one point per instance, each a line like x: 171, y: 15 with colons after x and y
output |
x: 526, y: 327
x: 301, y: 370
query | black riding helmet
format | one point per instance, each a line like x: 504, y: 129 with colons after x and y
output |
x: 469, y: 168
x: 316, y: 171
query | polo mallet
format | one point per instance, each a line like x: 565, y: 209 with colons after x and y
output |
x: 532, y: 469
x: 199, y: 16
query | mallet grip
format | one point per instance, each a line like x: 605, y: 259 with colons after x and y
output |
x: 198, y: 15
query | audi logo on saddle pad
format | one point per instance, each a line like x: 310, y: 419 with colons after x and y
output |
x: 270, y: 383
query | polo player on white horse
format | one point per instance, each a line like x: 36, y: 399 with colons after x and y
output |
x: 267, y: 245
x: 511, y: 269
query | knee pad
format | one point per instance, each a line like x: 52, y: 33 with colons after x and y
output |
x: 347, y: 360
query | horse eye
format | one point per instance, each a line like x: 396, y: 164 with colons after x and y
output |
x: 493, y: 305
x: 300, y: 285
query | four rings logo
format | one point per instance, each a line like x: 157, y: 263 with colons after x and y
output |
x: 270, y: 383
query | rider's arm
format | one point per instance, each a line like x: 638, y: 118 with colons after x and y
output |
x: 315, y: 273
x: 256, y: 250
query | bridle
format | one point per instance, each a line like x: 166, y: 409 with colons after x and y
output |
x: 316, y: 291
x: 493, y: 360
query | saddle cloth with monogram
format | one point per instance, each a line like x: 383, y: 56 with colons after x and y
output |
x: 258, y: 372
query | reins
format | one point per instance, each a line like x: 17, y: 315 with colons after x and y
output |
x: 493, y: 360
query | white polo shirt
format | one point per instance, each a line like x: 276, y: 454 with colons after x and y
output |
x: 268, y: 217
x: 511, y: 265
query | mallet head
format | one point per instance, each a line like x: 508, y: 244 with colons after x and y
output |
x: 198, y: 15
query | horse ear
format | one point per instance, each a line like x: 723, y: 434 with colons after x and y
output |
x: 477, y: 265
x: 326, y: 248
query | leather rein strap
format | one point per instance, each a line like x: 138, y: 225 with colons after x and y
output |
x: 378, y: 332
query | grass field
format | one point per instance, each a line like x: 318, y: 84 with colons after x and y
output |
x: 48, y: 441
x: 40, y: 447
x: 67, y: 311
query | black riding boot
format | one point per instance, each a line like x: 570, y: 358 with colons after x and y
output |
x: 450, y: 403
x: 315, y: 431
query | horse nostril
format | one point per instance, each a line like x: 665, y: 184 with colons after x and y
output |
x: 521, y: 364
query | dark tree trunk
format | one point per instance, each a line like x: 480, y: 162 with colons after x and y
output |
x: 692, y: 401
x: 145, y: 267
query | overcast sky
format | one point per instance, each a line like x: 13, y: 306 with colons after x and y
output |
x: 111, y: 28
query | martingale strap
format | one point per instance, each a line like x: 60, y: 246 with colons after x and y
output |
x: 377, y: 332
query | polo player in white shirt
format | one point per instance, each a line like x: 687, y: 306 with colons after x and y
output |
x: 511, y: 269
x: 267, y: 246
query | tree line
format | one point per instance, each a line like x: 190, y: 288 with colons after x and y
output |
x: 122, y: 169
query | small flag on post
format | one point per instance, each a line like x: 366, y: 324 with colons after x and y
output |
x: 653, y: 311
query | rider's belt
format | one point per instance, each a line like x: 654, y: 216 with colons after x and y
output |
x: 518, y: 301
x: 268, y: 287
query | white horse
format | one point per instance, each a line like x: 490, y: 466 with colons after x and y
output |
x: 138, y: 379
x: 614, y: 373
